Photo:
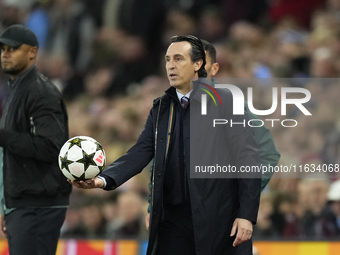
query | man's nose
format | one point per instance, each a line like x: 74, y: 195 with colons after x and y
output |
x: 171, y: 64
x: 4, y: 53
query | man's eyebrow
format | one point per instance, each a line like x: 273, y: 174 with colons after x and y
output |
x: 175, y: 55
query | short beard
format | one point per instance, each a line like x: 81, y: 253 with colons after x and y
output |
x: 13, y: 71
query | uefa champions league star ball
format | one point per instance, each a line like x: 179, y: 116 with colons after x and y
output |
x: 81, y: 158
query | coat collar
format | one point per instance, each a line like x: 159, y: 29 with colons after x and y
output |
x: 197, y: 85
x: 17, y: 80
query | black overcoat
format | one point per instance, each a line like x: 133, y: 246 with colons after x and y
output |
x: 215, y: 203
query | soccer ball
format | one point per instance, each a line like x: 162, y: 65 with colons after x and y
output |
x: 81, y: 158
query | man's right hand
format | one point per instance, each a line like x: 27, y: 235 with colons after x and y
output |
x: 89, y: 184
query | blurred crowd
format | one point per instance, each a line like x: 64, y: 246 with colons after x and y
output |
x: 106, y: 57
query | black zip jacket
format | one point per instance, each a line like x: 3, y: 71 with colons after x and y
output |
x: 33, y: 128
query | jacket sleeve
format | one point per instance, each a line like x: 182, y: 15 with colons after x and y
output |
x: 46, y: 133
x: 241, y: 139
x: 134, y: 160
x: 269, y: 155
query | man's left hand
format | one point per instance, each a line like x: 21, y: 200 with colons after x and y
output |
x: 244, y: 229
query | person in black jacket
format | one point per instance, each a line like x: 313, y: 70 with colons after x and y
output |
x: 190, y: 216
x: 34, y: 126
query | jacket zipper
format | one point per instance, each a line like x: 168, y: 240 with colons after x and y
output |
x: 154, y: 166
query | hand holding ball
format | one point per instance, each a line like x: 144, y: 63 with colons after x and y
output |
x: 81, y: 158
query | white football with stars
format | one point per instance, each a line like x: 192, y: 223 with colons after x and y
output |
x: 81, y: 158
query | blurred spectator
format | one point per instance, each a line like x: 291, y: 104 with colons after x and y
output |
x: 38, y: 21
x: 264, y: 228
x: 248, y: 10
x: 97, y: 82
x: 13, y: 12
x: 333, y: 212
x: 72, y: 227
x: 57, y: 68
x: 92, y: 218
x: 129, y: 222
x: 211, y: 24
x: 284, y: 217
x: 71, y: 33
x: 127, y: 56
x: 178, y: 22
x: 146, y: 24
x: 300, y: 10
x: 333, y: 7
x: 95, y: 8
x: 323, y: 65
x: 110, y: 211
x: 313, y: 225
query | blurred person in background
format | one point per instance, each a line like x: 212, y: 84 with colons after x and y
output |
x: 264, y: 228
x: 128, y: 223
x: 34, y: 126
x: 332, y: 210
x: 284, y: 218
x: 327, y: 223
x: 71, y: 33
x: 38, y: 20
x: 72, y: 227
x: 128, y: 58
x: 58, y: 69
x: 299, y: 10
x: 312, y: 222
x: 211, y: 24
x: 13, y: 12
x: 268, y: 153
x: 110, y: 212
x: 91, y: 216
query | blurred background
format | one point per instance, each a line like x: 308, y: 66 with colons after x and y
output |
x: 106, y: 57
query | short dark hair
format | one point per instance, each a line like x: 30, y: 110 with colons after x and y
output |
x: 208, y: 47
x: 197, y: 50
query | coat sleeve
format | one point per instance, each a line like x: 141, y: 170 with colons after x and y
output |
x: 241, y: 139
x: 46, y: 133
x: 134, y: 160
x: 269, y: 155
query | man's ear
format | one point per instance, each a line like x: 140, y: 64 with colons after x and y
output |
x: 33, y: 52
x: 198, y: 65
x: 214, y: 69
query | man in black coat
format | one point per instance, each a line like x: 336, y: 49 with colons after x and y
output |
x: 34, y: 194
x: 189, y: 216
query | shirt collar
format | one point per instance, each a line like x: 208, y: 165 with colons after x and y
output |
x: 180, y: 95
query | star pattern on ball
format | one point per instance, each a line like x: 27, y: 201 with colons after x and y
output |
x: 77, y: 141
x: 87, y: 160
x: 99, y: 147
x: 65, y: 162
